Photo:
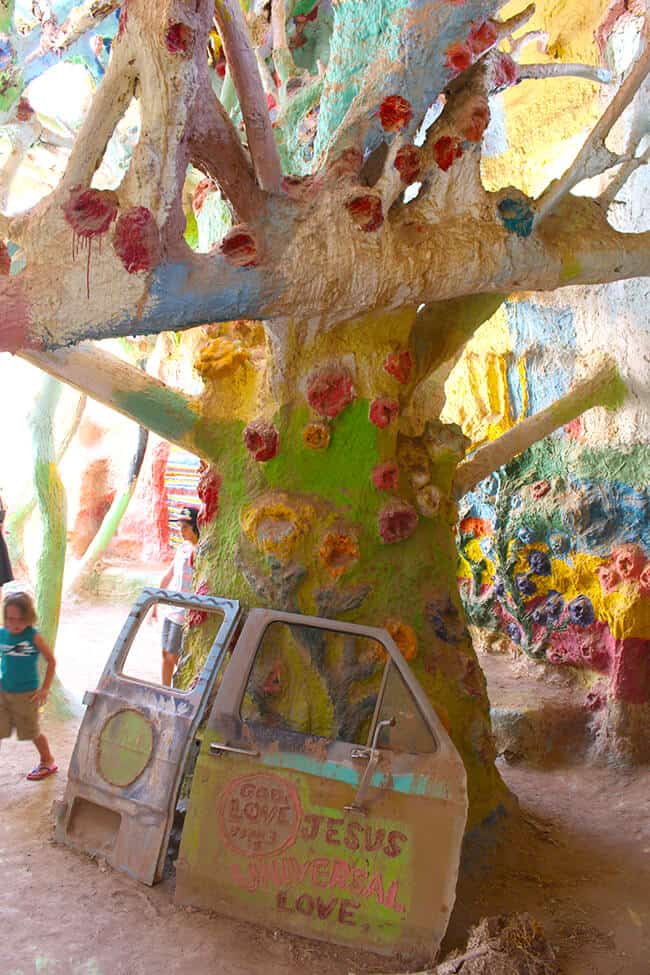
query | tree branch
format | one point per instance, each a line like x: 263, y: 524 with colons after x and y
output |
x: 604, y: 387
x: 594, y: 157
x: 80, y: 20
x: 242, y: 65
x: 553, y: 70
x: 630, y: 165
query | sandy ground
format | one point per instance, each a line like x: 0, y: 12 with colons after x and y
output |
x: 577, y: 858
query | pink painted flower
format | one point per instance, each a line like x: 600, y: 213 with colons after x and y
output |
x: 239, y: 247
x: 482, y: 36
x: 179, y: 38
x: 137, y: 240
x: 446, y: 150
x: 629, y: 560
x: 330, y: 390
x: 196, y: 617
x: 609, y: 578
x: 383, y: 411
x: 262, y: 440
x: 208, y: 491
x: 397, y: 521
x: 458, y: 57
x: 504, y: 72
x: 574, y: 429
x: 408, y: 163
x: 5, y: 260
x: 399, y: 365
x: 644, y: 579
x: 540, y: 488
x: 366, y: 212
x: 395, y: 113
x: 385, y: 476
x: 90, y: 212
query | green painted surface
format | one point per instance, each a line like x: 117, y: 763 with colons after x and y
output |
x: 125, y: 747
x: 161, y: 409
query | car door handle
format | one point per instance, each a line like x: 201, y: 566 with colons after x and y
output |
x: 217, y: 748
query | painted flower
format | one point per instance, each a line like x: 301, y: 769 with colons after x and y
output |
x: 404, y: 636
x: 239, y: 247
x: 575, y: 428
x: 540, y: 488
x: 24, y: 110
x: 526, y: 535
x: 262, y: 440
x: 366, y: 211
x: 554, y: 605
x: 179, y: 38
x: 539, y: 615
x: 399, y: 365
x: 504, y: 72
x: 338, y: 552
x: 330, y: 390
x: 482, y: 36
x: 395, y: 113
x: 90, y: 212
x: 609, y: 578
x: 446, y: 150
x: 272, y: 683
x: 458, y: 57
x: 386, y: 476
x: 383, y: 411
x: 539, y: 562
x: 316, y: 436
x: 499, y: 587
x: 516, y: 215
x: 195, y: 617
x: 408, y: 163
x: 581, y: 611
x: 208, y: 491
x: 628, y: 560
x: 137, y: 240
x: 444, y: 617
x: 644, y: 579
x: 559, y: 543
x: 428, y: 500
x: 525, y: 584
x: 514, y: 632
x: 397, y: 521
x: 476, y: 527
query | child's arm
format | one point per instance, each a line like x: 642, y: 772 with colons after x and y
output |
x: 164, y: 582
x: 40, y: 696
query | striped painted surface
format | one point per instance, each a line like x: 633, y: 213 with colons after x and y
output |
x: 181, y: 479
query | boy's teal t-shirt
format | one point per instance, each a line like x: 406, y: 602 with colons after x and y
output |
x: 19, y: 661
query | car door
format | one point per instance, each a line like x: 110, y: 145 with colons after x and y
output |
x: 342, y: 822
x: 132, y: 748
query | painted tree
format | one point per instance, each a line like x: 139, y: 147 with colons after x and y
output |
x: 354, y: 251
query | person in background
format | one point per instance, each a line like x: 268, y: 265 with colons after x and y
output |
x: 6, y: 573
x: 20, y: 693
x: 179, y: 578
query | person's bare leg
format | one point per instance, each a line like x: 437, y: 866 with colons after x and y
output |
x: 168, y: 665
x: 46, y: 756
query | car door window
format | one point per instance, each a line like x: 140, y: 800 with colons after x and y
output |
x: 408, y: 732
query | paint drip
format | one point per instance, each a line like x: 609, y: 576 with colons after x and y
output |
x: 90, y: 213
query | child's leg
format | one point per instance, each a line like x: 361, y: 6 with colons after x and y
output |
x: 41, y: 742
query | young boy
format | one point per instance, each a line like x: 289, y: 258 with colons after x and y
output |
x: 20, y: 695
x: 179, y: 574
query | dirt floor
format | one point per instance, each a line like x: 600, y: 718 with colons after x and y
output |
x: 577, y: 858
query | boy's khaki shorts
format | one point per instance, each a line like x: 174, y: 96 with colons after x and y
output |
x: 20, y: 712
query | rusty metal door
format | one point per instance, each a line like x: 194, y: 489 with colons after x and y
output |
x: 132, y: 748
x: 349, y: 842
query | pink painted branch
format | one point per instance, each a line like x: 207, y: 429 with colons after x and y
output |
x: 245, y: 73
x: 598, y: 389
x: 590, y: 72
x: 517, y: 44
x: 594, y: 157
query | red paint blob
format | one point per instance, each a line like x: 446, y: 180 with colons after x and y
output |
x: 202, y: 191
x: 476, y: 124
x: 24, y: 110
x: 330, y: 390
x: 208, y: 491
x: 137, y: 240
x: 504, y: 72
x: 179, y: 38
x: 366, y: 212
x: 446, y: 150
x: 399, y: 365
x: 482, y: 36
x: 397, y: 521
x: 540, y: 488
x: 5, y: 260
x: 385, y: 476
x: 90, y: 212
x: 394, y: 113
x: 383, y: 411
x: 408, y: 164
x: 197, y: 616
x: 239, y: 247
x: 458, y: 57
x: 262, y: 440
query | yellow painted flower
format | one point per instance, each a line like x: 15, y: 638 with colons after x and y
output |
x: 276, y: 526
x: 316, y: 436
x: 221, y: 355
x: 338, y: 552
x: 404, y: 636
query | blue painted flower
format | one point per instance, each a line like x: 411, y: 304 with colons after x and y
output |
x: 525, y: 584
x: 539, y: 615
x: 6, y: 54
x: 539, y: 562
x: 516, y: 215
x: 526, y: 535
x: 499, y: 587
x: 516, y: 501
x: 514, y: 632
x: 487, y: 546
x: 581, y: 611
x: 559, y: 543
x: 554, y: 605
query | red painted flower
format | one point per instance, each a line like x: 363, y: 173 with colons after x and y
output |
x: 272, y: 684
x: 644, y: 579
x: 408, y: 163
x: 540, y: 488
x: 385, y: 476
x: 196, y: 617
x: 629, y: 560
x: 90, y: 212
x: 575, y: 428
x: 446, y: 150
x: 394, y: 113
x: 179, y: 38
x: 366, y: 211
x: 330, y: 390
x: 477, y: 527
x: 137, y: 240
x: 476, y: 122
x: 208, y: 491
x: 383, y: 411
x: 504, y: 72
x: 399, y: 365
x: 262, y: 440
x: 5, y: 260
x: 482, y: 36
x: 201, y: 193
x: 239, y: 247
x: 397, y: 521
x: 609, y: 578
x: 458, y: 57
x: 24, y: 110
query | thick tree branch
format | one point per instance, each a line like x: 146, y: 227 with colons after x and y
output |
x: 242, y: 65
x: 604, y: 387
x: 554, y: 70
x: 594, y: 157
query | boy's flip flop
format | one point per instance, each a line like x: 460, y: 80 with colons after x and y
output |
x: 41, y: 771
